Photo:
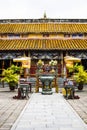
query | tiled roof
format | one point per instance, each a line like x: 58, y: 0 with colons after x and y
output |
x: 43, y: 44
x: 43, y: 27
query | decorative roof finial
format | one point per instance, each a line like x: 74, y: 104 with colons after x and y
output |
x: 45, y: 16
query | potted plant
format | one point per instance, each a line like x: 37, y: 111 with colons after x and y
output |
x: 53, y: 63
x: 40, y: 63
x: 80, y: 76
x: 11, y: 76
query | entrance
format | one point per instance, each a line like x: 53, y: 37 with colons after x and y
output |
x: 84, y: 63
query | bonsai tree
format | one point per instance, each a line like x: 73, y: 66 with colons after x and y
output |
x: 11, y: 76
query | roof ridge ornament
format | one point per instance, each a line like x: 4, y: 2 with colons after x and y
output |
x: 45, y: 16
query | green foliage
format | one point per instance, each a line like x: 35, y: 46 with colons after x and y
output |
x: 10, y: 75
x: 81, y: 75
x: 15, y: 68
x: 74, y: 68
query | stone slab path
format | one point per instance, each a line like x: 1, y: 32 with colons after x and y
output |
x: 48, y: 112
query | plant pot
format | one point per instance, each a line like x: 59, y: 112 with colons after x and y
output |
x: 12, y: 86
x: 80, y: 86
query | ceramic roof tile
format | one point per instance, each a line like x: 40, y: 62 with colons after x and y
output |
x: 43, y: 27
x: 43, y: 44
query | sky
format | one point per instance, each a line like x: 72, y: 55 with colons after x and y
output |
x: 27, y: 9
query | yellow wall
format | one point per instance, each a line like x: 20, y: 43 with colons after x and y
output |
x: 53, y: 35
x: 56, y: 35
x: 35, y: 35
x: 60, y: 35
x: 24, y: 36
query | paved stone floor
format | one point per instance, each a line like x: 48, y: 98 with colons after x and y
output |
x: 48, y: 112
x: 10, y: 108
x: 80, y: 105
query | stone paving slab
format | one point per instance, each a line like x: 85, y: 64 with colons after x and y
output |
x: 48, y: 112
x: 10, y: 108
x: 80, y: 105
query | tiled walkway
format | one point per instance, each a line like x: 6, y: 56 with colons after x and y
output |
x: 48, y: 112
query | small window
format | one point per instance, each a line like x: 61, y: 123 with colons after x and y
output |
x: 3, y: 35
x: 24, y: 35
x: 85, y: 35
x: 45, y: 35
x: 66, y: 35
x: 80, y: 35
x: 74, y: 35
x: 13, y: 35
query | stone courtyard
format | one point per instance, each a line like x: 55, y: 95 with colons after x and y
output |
x: 10, y: 108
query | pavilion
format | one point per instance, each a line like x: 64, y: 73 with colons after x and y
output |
x: 44, y: 39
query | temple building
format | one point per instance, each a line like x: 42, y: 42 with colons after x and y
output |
x: 44, y: 39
